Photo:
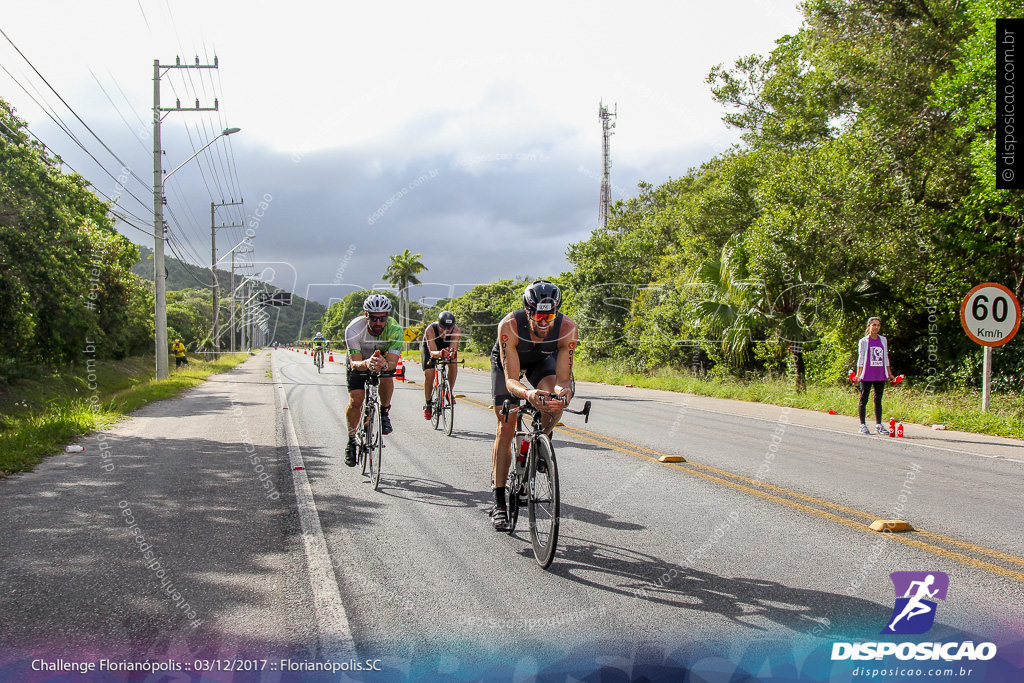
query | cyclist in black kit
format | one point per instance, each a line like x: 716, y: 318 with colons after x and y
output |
x: 440, y: 341
x: 539, y: 342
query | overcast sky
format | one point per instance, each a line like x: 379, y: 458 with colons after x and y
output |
x: 465, y: 131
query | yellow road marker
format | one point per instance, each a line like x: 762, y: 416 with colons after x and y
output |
x: 890, y: 525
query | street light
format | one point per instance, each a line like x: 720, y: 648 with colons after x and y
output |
x: 159, y: 274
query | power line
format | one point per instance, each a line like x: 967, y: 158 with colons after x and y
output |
x: 110, y: 201
x: 53, y: 116
x: 64, y: 102
x: 109, y: 99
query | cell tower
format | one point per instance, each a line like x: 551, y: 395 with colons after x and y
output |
x: 607, y: 124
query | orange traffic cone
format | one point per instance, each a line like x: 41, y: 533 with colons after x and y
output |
x: 304, y: 352
x: 330, y: 358
x: 400, y: 371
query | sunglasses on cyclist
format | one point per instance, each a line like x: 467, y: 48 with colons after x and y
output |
x: 543, y: 317
x: 378, y: 318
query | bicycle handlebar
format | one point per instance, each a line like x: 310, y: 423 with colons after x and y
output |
x: 506, y: 408
x: 368, y: 373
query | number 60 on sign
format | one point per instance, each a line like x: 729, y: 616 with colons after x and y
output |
x: 990, y: 314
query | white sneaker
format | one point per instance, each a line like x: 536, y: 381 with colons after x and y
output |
x: 881, y: 430
x: 864, y: 429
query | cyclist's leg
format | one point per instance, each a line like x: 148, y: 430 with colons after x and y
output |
x: 354, y: 409
x: 356, y: 394
x: 386, y: 389
x: 501, y: 451
x: 428, y: 383
x: 501, y: 460
x: 427, y: 363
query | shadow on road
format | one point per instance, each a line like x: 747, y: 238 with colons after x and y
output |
x: 176, y: 551
x: 742, y: 600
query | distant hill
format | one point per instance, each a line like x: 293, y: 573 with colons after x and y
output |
x: 286, y: 318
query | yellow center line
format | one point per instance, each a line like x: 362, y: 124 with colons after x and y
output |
x: 971, y: 546
x: 733, y: 475
x: 719, y: 474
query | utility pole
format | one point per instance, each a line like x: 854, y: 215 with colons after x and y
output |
x: 213, y: 267
x: 234, y: 326
x: 606, y: 174
x: 159, y: 229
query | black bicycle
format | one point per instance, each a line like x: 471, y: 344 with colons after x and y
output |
x: 369, y: 439
x: 533, y: 479
x: 318, y: 359
x: 442, y: 400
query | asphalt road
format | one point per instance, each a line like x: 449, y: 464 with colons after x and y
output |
x: 651, y: 555
x: 757, y: 543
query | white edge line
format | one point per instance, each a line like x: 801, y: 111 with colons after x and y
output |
x: 335, y: 635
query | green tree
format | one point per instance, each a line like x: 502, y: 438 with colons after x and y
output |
x: 63, y: 269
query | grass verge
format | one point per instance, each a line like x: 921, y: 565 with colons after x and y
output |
x: 41, y: 414
x: 956, y: 409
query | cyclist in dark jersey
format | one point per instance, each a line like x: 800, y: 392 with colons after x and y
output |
x: 539, y: 342
x: 440, y: 340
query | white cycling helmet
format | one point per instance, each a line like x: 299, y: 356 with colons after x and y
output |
x: 377, y: 303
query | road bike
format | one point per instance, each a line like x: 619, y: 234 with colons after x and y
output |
x: 369, y: 439
x: 442, y: 400
x: 533, y: 479
x: 318, y: 359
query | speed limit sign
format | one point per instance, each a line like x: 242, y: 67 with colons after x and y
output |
x: 990, y: 314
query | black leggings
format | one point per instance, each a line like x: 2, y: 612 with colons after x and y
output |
x: 865, y: 389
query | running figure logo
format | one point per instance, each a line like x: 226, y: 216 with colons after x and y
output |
x: 913, y: 613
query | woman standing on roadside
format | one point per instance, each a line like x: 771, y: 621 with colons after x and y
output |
x: 872, y: 372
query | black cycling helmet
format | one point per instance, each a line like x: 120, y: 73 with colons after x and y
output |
x: 542, y: 297
x: 446, y: 319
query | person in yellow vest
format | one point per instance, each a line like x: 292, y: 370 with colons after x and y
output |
x: 179, y: 353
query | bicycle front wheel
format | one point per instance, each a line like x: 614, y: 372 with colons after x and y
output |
x: 447, y: 408
x: 542, y: 500
x: 375, y: 443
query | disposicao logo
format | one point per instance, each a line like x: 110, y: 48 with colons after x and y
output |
x: 914, y: 613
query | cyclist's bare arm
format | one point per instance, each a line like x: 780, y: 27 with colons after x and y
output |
x: 392, y: 361
x: 453, y: 347
x: 564, y: 361
x: 507, y: 343
x: 431, y: 341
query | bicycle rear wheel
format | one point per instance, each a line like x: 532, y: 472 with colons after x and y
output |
x: 514, y: 486
x: 447, y: 408
x: 435, y: 407
x: 375, y: 445
x: 543, y: 500
x: 363, y: 437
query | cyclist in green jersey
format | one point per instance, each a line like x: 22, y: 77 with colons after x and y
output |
x: 319, y: 346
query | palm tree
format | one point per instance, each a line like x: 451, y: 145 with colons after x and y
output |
x: 739, y: 310
x: 401, y: 273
